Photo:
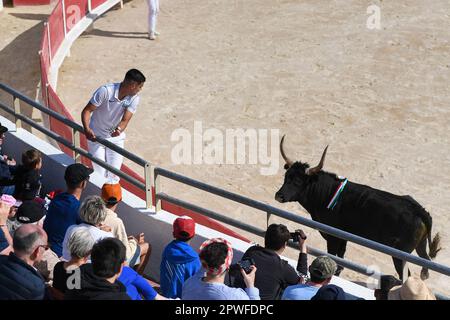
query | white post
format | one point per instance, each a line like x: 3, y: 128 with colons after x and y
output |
x: 157, y: 186
x: 47, y: 25
x: 121, y: 4
x: 16, y: 104
x: 148, y: 185
x: 76, y: 144
x: 64, y: 17
x: 89, y: 6
x: 1, y: 5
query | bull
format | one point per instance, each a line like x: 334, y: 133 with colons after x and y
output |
x: 396, y: 221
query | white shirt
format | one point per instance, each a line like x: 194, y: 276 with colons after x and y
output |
x: 110, y: 109
x: 95, y: 232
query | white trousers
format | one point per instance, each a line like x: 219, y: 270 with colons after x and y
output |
x: 153, y: 10
x: 109, y: 156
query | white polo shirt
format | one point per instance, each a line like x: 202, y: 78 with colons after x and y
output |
x: 110, y: 109
x: 95, y: 232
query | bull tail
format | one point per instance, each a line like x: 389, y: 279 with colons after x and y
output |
x: 435, y: 245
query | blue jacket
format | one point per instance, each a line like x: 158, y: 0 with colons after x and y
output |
x: 179, y: 262
x: 136, y: 285
x: 19, y: 281
x: 61, y: 214
x: 3, y: 242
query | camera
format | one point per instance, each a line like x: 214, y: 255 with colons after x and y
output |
x: 298, y: 234
x: 244, y: 264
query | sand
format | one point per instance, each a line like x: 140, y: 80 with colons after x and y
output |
x: 311, y: 69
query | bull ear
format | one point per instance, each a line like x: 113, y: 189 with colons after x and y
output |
x: 312, y: 171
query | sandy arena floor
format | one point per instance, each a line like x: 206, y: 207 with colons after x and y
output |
x: 311, y: 69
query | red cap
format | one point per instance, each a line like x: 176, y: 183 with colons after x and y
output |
x: 184, y: 228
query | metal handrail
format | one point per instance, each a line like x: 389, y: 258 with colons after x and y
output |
x: 71, y: 124
x: 64, y: 142
x: 75, y: 144
x: 260, y: 232
x: 296, y: 218
x: 220, y: 192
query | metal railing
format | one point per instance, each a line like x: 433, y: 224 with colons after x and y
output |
x: 74, y: 145
x: 270, y: 210
x: 158, y: 172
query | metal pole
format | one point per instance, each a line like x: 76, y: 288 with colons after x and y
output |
x: 89, y: 6
x: 76, y: 144
x: 157, y: 184
x: 148, y: 186
x: 16, y: 104
x: 64, y: 17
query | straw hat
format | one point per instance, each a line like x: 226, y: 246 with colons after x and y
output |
x: 412, y: 289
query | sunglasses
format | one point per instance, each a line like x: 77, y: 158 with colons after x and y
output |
x: 45, y: 246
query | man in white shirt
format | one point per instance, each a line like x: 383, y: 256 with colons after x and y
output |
x: 107, y: 115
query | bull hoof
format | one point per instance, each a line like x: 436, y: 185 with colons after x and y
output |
x: 424, y: 275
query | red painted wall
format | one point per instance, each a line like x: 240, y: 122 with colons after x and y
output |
x: 30, y: 2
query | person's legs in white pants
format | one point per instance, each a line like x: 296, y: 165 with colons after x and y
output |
x: 153, y: 10
x: 114, y: 159
x: 98, y: 151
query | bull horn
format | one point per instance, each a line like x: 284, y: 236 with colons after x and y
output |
x: 289, y: 162
x: 316, y: 169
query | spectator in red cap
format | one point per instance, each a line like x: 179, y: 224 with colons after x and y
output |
x: 137, y: 250
x: 179, y: 260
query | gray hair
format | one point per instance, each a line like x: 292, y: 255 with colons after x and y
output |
x: 27, y: 237
x: 80, y: 243
x: 93, y: 210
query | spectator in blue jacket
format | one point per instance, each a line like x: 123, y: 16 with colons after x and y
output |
x: 19, y: 280
x: 138, y: 287
x: 6, y: 202
x: 63, y: 210
x: 179, y: 260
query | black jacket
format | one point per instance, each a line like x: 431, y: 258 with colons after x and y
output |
x: 273, y: 274
x: 19, y: 281
x: 96, y: 288
x: 27, y: 182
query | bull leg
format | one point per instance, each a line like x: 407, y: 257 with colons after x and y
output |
x: 336, y: 247
x: 422, y: 252
x: 399, y: 267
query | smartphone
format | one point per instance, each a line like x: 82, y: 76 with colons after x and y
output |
x: 246, y: 265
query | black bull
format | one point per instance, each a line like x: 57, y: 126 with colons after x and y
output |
x: 396, y: 221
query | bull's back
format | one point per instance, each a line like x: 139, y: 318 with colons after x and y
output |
x: 381, y: 216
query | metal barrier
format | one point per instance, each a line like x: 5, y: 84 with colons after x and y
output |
x: 75, y: 144
x: 159, y: 196
x: 270, y: 210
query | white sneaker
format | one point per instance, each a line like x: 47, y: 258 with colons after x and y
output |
x: 151, y: 36
x: 157, y: 33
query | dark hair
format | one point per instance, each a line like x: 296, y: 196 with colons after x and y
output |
x: 107, y: 257
x: 276, y: 236
x: 315, y: 279
x: 134, y: 75
x: 31, y: 158
x: 214, y: 254
x: 71, y: 185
